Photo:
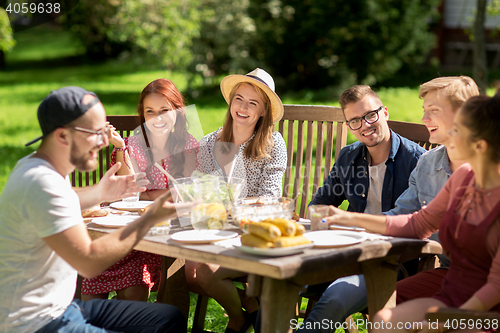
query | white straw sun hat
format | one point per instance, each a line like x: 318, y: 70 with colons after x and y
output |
x: 261, y: 79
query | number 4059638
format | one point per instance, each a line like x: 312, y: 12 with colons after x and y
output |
x: 33, y: 8
x: 463, y: 323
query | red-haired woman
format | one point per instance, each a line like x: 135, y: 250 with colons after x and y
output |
x: 161, y: 110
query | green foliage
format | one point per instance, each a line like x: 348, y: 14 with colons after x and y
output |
x: 161, y: 29
x: 7, y: 42
x: 224, y: 44
x: 318, y: 43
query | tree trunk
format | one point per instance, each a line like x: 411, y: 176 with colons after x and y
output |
x: 2, y: 60
x: 480, y: 67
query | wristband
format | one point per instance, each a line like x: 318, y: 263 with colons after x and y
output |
x: 121, y: 149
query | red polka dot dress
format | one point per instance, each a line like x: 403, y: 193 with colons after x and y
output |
x: 137, y: 268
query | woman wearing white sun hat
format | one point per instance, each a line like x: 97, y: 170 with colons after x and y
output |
x: 253, y: 110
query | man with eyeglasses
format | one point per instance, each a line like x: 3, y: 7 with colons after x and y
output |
x: 44, y: 242
x: 372, y: 172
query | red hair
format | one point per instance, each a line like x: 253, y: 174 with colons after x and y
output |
x: 179, y: 136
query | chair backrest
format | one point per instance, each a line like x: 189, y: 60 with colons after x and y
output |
x: 318, y: 120
x: 124, y: 125
x: 415, y: 132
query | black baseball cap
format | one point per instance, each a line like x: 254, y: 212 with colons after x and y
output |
x: 61, y: 107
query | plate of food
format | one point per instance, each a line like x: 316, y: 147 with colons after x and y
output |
x: 202, y: 236
x: 335, y: 238
x: 275, y: 251
x: 114, y: 221
x: 130, y: 206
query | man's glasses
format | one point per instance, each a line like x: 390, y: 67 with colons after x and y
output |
x: 371, y: 117
x: 100, y: 134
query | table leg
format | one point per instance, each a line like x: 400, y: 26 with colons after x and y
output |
x: 380, y: 279
x: 277, y: 303
x: 173, y: 287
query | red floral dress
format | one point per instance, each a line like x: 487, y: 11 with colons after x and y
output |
x: 137, y: 268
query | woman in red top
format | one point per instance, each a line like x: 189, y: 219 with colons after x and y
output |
x: 161, y: 111
x: 467, y: 213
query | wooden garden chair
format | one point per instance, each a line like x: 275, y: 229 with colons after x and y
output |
x: 313, y: 135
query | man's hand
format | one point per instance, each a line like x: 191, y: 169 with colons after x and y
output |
x: 164, y: 209
x: 113, y: 187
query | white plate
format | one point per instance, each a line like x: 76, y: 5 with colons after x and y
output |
x: 275, y: 252
x: 203, y: 236
x: 334, y: 238
x: 130, y: 206
x: 114, y: 221
x: 344, y: 227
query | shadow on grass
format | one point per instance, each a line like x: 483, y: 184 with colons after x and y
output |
x: 76, y: 60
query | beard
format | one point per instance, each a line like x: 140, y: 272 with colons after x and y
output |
x: 82, y: 160
x: 373, y: 144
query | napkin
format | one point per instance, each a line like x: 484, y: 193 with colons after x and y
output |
x: 229, y: 243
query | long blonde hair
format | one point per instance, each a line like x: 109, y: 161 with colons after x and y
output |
x: 262, y: 142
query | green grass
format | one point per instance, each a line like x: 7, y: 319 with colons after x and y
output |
x: 46, y: 58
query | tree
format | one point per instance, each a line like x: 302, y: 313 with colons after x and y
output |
x: 6, y: 36
x: 480, y: 65
x: 162, y: 29
x: 226, y: 38
x: 318, y: 43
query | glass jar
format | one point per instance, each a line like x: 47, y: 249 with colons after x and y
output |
x: 211, y: 212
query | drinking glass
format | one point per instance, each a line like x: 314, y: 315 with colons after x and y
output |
x: 211, y: 213
x: 133, y: 199
x: 316, y: 213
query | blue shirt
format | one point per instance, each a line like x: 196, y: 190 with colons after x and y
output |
x: 426, y: 180
x: 349, y: 179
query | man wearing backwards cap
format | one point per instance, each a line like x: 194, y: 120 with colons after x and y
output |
x: 44, y: 243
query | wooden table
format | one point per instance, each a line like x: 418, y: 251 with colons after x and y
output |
x: 279, y: 280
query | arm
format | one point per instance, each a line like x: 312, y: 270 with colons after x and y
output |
x: 120, y: 153
x: 420, y: 224
x: 110, y: 188
x: 91, y: 257
x: 274, y: 169
x: 372, y: 223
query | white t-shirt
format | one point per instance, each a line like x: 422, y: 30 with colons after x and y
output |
x: 374, y: 200
x: 36, y: 285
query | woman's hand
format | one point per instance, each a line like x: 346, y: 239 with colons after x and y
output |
x: 115, y: 138
x: 338, y: 216
x: 372, y: 223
